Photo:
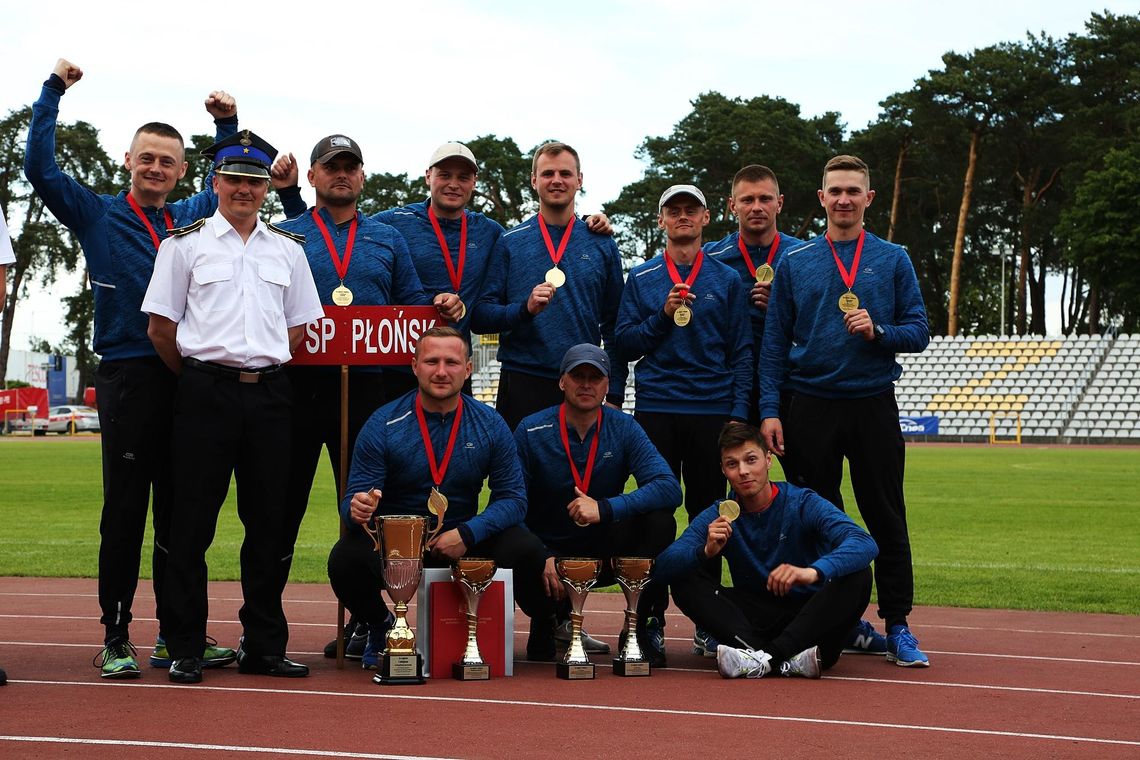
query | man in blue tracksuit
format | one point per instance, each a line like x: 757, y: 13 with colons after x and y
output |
x: 559, y: 285
x: 842, y: 306
x: 120, y: 235
x: 800, y: 569
x: 754, y: 251
x: 576, y: 459
x: 435, y: 438
x: 685, y: 315
x: 355, y: 260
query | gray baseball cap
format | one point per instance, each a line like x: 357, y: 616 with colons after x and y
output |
x: 585, y: 353
x: 334, y: 145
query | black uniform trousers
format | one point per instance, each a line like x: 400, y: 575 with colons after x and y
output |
x: 688, y: 442
x: 644, y: 535
x: 356, y: 577
x: 521, y: 395
x: 818, y: 434
x: 223, y: 427
x: 136, y: 401
x: 316, y: 423
x: 782, y: 626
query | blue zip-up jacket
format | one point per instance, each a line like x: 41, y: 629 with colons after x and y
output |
x: 806, y: 346
x: 390, y: 456
x: 584, y: 310
x: 705, y: 367
x: 799, y: 528
x: 727, y: 251
x: 623, y: 449
x: 484, y: 245
x: 116, y: 244
x: 379, y: 272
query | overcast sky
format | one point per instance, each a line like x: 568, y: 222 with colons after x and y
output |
x: 400, y: 79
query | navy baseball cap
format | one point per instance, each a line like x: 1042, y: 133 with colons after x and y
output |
x: 585, y: 353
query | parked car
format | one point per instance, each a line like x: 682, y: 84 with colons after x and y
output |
x: 71, y: 419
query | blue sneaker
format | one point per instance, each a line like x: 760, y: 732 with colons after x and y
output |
x: 902, y: 649
x: 864, y: 639
x: 374, y: 643
x: 704, y: 643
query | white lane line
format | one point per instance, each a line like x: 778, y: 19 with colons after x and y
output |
x: 614, y: 709
x: 1061, y: 569
x: 988, y: 687
x: 210, y: 747
x: 1033, y: 657
x: 990, y: 628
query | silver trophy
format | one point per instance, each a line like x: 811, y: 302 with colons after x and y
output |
x: 578, y: 575
x: 632, y: 575
x: 473, y: 575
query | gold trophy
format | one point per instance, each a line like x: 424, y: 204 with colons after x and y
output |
x: 632, y: 575
x: 579, y: 576
x: 400, y: 541
x: 473, y: 576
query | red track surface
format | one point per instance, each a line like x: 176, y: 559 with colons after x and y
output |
x: 1002, y: 684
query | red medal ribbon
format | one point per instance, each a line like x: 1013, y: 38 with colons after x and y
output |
x: 437, y: 472
x: 688, y: 283
x: 583, y: 483
x: 146, y: 222
x: 340, y: 264
x: 556, y: 257
x: 454, y: 271
x: 748, y: 259
x: 848, y: 277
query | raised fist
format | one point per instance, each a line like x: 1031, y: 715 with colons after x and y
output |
x: 68, y: 72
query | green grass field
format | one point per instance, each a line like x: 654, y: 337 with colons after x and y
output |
x: 1014, y: 527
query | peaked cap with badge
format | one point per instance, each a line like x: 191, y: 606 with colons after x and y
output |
x: 243, y: 154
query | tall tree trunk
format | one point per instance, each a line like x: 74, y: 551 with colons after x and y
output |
x: 897, y: 189
x: 960, y: 234
x: 1037, y: 324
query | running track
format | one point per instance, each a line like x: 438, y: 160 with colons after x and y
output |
x: 1003, y: 684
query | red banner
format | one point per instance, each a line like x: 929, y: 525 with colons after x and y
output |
x: 365, y: 335
x: 19, y: 399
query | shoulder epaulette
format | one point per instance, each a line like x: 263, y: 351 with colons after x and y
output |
x: 179, y: 231
x: 292, y: 235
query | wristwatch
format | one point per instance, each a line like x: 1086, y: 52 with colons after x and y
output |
x: 879, y: 333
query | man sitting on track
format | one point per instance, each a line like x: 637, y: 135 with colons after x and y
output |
x: 800, y: 569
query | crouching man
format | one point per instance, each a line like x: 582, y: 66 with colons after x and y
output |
x: 800, y: 569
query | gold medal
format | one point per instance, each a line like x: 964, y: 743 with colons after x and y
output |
x: 765, y: 273
x: 682, y: 316
x: 437, y: 503
x: 342, y: 296
x: 582, y: 524
x: 729, y: 510
x: 556, y: 277
x: 848, y: 302
x: 462, y: 310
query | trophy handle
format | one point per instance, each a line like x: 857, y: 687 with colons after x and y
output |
x: 373, y: 533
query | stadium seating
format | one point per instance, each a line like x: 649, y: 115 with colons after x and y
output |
x: 1070, y: 389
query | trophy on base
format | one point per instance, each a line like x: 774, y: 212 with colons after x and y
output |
x: 400, y: 541
x: 578, y: 575
x: 632, y: 575
x: 473, y: 575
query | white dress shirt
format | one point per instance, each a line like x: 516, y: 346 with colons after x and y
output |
x: 7, y: 255
x: 233, y: 300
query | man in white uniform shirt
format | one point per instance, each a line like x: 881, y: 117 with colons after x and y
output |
x: 228, y: 303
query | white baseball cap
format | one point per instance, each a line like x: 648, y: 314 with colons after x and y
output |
x: 453, y: 150
x: 675, y: 190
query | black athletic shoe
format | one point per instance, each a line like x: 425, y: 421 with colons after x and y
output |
x: 186, y: 670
